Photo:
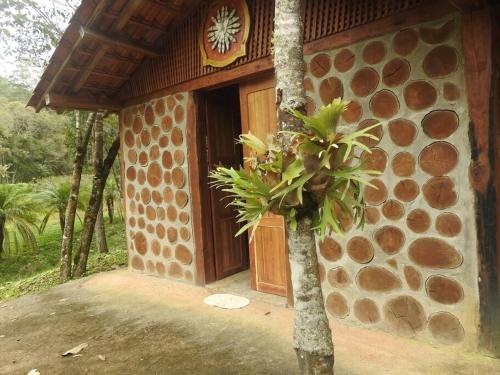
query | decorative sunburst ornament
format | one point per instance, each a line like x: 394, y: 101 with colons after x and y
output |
x: 225, y: 26
x: 224, y: 32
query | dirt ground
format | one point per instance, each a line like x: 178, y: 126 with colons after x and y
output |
x: 145, y: 325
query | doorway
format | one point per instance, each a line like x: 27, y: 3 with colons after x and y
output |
x: 220, y: 125
x: 222, y: 115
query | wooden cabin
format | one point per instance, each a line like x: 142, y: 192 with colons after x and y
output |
x: 187, y: 77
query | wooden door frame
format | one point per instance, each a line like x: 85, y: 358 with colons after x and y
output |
x: 201, y: 221
x: 201, y: 200
x: 196, y: 159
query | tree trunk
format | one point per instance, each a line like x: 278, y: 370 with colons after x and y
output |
x: 110, y: 202
x: 61, y: 219
x: 2, y: 236
x: 69, y: 220
x: 312, y: 335
x: 118, y: 181
x: 92, y: 210
x: 101, y: 243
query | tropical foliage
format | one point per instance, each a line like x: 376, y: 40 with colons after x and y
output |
x: 53, y: 196
x: 320, y: 175
x: 17, y: 218
x: 32, y: 146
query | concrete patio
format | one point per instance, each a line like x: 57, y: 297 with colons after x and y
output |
x: 137, y: 324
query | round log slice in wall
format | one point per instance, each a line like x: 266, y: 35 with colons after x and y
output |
x: 360, y: 249
x: 446, y: 328
x: 438, y: 158
x: 320, y: 65
x: 402, y: 132
x: 336, y: 304
x: 390, y: 239
x: 330, y: 249
x: 405, y: 315
x: 444, y: 290
x: 403, y: 164
x: 420, y: 95
x: 377, y: 279
x: 405, y: 42
x: 366, y: 311
x: 344, y: 60
x: 395, y: 72
x: 434, y: 253
x: 338, y: 277
x: 413, y: 277
x: 364, y: 82
x: 440, y: 124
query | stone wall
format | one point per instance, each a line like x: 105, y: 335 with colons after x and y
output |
x: 413, y: 268
x: 156, y: 188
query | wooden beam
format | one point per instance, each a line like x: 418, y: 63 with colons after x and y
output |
x: 84, y: 102
x: 140, y: 22
x: 111, y: 56
x: 98, y: 9
x: 117, y: 41
x: 101, y: 73
x: 127, y: 12
x: 186, y: 13
x: 168, y: 7
x: 467, y: 5
x: 218, y: 79
x: 477, y: 39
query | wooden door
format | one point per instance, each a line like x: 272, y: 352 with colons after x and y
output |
x: 268, y: 254
x: 223, y: 127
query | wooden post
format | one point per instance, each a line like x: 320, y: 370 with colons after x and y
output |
x: 477, y: 42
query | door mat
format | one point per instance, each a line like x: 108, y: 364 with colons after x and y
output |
x: 226, y: 301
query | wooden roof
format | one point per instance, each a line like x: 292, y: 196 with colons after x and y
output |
x: 105, y: 42
x: 108, y: 40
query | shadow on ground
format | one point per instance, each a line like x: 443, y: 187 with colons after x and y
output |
x: 144, y: 325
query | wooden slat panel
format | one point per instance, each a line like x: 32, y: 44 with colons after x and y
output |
x: 182, y: 60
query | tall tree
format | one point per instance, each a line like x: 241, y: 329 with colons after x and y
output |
x: 82, y: 141
x: 89, y: 221
x: 31, y: 29
x: 102, y: 245
x: 312, y: 334
x: 310, y: 174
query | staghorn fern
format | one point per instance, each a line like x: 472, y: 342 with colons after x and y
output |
x: 318, y: 175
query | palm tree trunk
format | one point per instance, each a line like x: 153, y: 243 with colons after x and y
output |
x: 312, y: 335
x: 69, y: 220
x: 92, y: 210
x: 101, y: 243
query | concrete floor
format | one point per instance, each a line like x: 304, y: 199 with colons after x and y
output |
x: 239, y: 284
x: 146, y: 325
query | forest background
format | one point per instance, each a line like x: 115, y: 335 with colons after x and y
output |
x: 37, y: 155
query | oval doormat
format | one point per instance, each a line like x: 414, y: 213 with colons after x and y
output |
x: 226, y: 301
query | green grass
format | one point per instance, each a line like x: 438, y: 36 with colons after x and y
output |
x: 39, y: 270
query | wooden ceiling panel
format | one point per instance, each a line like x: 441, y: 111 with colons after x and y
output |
x: 125, y: 33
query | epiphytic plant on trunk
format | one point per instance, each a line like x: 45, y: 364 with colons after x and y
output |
x: 314, y: 179
x: 310, y: 174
